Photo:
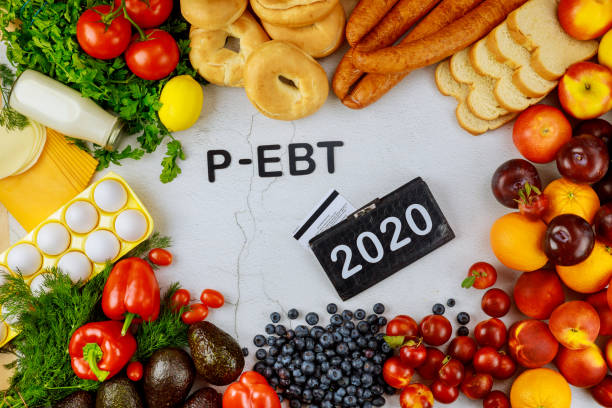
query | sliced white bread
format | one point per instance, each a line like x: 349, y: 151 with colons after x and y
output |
x: 450, y: 87
x: 481, y: 99
x: 536, y: 27
x: 506, y: 92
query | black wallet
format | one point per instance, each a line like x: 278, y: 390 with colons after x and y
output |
x: 381, y: 238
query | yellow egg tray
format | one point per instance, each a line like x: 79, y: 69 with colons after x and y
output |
x: 106, y: 221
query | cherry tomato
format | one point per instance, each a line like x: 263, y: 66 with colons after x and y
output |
x: 452, y: 372
x: 416, y: 396
x: 433, y: 363
x: 532, y: 202
x: 496, y: 303
x: 602, y: 392
x: 402, y: 325
x: 154, y: 58
x: 496, y: 399
x: 486, y: 360
x: 462, y: 348
x: 476, y: 385
x: 491, y: 333
x: 147, y: 13
x: 396, y: 373
x: 481, y: 275
x: 160, y: 257
x: 435, y: 329
x: 443, y: 392
x: 102, y: 39
x: 180, y: 299
x: 134, y: 371
x: 212, y: 298
x: 196, y: 313
x: 413, y: 353
x: 506, y: 369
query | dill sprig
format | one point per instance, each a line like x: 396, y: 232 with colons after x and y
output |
x: 9, y: 118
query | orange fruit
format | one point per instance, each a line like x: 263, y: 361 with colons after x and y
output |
x: 517, y: 242
x: 540, y: 388
x: 591, y: 275
x: 570, y: 198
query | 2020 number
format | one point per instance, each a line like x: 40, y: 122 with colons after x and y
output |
x: 395, y: 244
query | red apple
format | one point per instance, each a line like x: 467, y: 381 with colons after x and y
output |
x: 575, y: 324
x: 600, y: 302
x: 531, y: 343
x: 585, y: 19
x: 582, y: 368
x: 585, y: 91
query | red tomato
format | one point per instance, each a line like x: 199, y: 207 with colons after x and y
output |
x: 451, y: 372
x: 147, y: 13
x: 496, y: 303
x: 540, y: 131
x: 443, y: 392
x: 506, y: 369
x: 481, y: 275
x: 435, y: 329
x: 196, y: 313
x: 154, y: 58
x: 160, y: 257
x: 491, y: 333
x: 212, y: 298
x: 102, y: 39
x: 180, y: 299
x: 413, y: 353
x: 533, y: 203
x: 486, y: 360
x: 134, y: 371
x: 396, y: 373
x: 462, y: 348
x: 476, y: 385
x: 416, y: 396
x: 602, y: 392
x: 433, y: 362
x: 402, y: 325
x: 496, y: 399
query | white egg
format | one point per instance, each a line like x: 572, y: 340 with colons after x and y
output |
x: 76, y: 265
x: 131, y: 225
x: 38, y: 284
x: 4, y: 272
x: 24, y: 258
x: 102, y: 246
x: 3, y: 331
x: 9, y: 320
x: 110, y: 196
x: 53, y: 238
x: 81, y: 217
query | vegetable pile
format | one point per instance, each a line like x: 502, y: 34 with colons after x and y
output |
x: 46, y: 41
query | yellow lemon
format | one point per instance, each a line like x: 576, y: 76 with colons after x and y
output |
x: 182, y: 100
x: 605, y: 50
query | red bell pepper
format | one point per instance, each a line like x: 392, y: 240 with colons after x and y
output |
x: 98, y: 351
x: 131, y: 291
x: 251, y: 391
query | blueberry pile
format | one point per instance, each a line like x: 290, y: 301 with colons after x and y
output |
x: 339, y: 365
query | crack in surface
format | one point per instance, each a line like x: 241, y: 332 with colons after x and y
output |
x: 276, y: 179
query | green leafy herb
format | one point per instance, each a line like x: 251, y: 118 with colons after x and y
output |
x: 9, y: 118
x: 395, y: 341
x: 47, y: 43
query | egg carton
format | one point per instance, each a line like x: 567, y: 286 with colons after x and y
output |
x: 101, y: 224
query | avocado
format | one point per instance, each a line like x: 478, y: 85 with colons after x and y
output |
x: 167, y: 378
x: 204, y: 398
x: 118, y: 392
x: 79, y: 399
x: 217, y: 356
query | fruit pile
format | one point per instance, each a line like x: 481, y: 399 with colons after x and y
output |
x: 560, y: 236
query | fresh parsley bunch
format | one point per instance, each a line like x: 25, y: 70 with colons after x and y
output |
x: 46, y: 41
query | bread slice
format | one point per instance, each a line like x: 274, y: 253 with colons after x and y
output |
x: 536, y: 27
x: 480, y: 99
x: 502, y: 45
x: 450, y: 87
x: 506, y: 92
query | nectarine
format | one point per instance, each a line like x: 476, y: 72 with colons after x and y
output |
x: 538, y: 293
x: 600, y: 302
x: 575, y: 324
x: 532, y: 344
x: 582, y: 368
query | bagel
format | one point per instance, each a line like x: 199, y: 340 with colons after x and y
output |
x: 283, y: 82
x: 319, y: 39
x: 220, y: 65
x: 212, y: 14
x: 293, y: 13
